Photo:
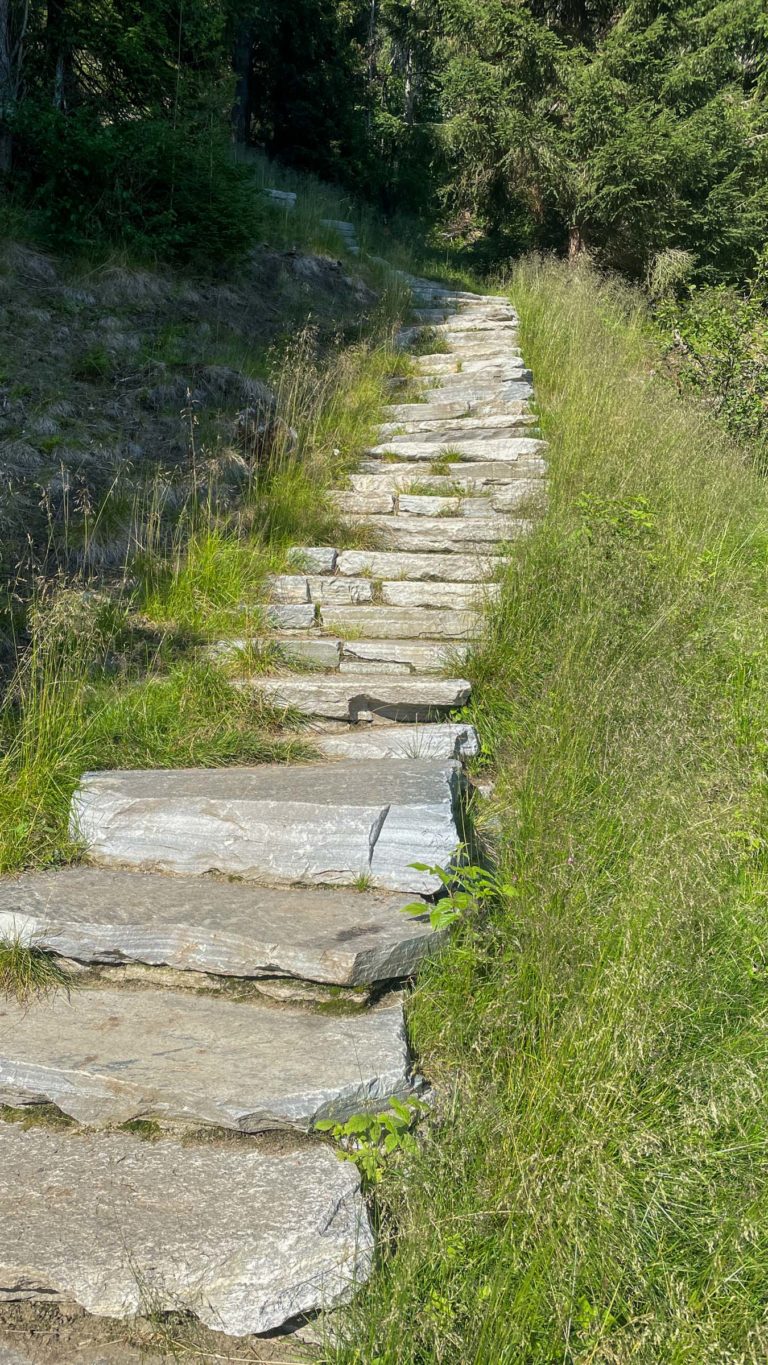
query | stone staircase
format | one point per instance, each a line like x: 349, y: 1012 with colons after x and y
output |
x: 237, y: 938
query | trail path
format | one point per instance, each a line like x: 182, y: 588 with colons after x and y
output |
x: 268, y: 994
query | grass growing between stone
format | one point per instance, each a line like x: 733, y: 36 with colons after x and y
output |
x: 592, y: 1187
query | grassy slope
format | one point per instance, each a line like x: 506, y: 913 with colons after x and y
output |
x: 594, y: 1189
x: 117, y: 677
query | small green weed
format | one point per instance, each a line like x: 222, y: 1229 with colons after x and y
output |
x: 28, y: 973
x: 467, y: 889
x: 368, y: 1140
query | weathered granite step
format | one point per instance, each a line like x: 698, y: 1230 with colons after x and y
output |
x: 303, y: 823
x: 402, y: 656
x: 459, y: 596
x: 107, y: 1056
x: 457, y: 406
x: 402, y: 742
x: 451, y: 363
x: 389, y: 564
x: 468, y: 477
x: 466, y: 449
x: 443, y: 430
x: 363, y: 696
x: 344, y: 938
x: 409, y: 623
x: 443, y: 535
x: 243, y: 1240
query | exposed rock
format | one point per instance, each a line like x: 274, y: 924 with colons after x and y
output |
x: 313, y: 558
x: 402, y: 741
x: 459, y: 568
x: 401, y: 623
x: 243, y: 1240
x: 350, y: 698
x: 314, y: 824
x: 109, y: 1056
x: 344, y: 938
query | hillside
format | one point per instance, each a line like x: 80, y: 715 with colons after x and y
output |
x: 382, y: 651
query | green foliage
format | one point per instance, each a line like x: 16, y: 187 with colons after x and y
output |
x: 467, y: 889
x: 599, y: 1044
x: 28, y: 973
x: 719, y: 347
x: 368, y: 1140
x: 147, y: 186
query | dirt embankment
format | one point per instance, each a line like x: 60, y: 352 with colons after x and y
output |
x: 101, y: 372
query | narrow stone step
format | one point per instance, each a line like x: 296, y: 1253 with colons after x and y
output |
x: 374, y: 504
x: 402, y: 742
x: 460, y: 596
x: 474, y: 391
x: 360, y: 697
x: 467, y: 477
x: 344, y: 938
x: 451, y: 363
x: 442, y: 535
x: 295, y: 824
x: 466, y: 449
x: 391, y: 565
x: 410, y: 623
x: 107, y: 1056
x: 458, y: 406
x: 243, y: 1240
x: 433, y: 505
x: 445, y: 430
x: 402, y: 656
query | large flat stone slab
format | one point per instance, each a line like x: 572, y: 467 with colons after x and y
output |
x: 442, y: 535
x: 244, y: 1240
x: 406, y: 622
x: 458, y: 406
x: 403, y: 741
x: 107, y: 1056
x: 446, y: 429
x: 315, y: 824
x: 390, y: 564
x: 477, y: 477
x: 460, y: 596
x: 410, y: 656
x: 488, y: 449
x: 360, y: 696
x: 345, y: 938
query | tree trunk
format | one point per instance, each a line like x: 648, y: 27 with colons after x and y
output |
x: 14, y: 15
x: 59, y: 51
x: 242, y: 64
x: 576, y: 244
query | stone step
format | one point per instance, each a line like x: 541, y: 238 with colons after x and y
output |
x: 391, y: 565
x: 402, y: 742
x: 310, y: 824
x: 241, y: 1239
x: 394, y: 622
x: 451, y: 363
x: 442, y: 535
x: 458, y: 406
x: 444, y: 430
x: 195, y: 924
x: 459, y: 596
x: 468, y: 477
x: 468, y: 450
x: 402, y: 656
x: 111, y: 1055
x: 432, y: 505
x: 363, y: 696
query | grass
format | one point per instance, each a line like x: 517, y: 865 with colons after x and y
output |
x: 28, y: 972
x: 593, y: 1184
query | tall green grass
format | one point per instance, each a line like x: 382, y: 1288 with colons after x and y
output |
x: 593, y: 1185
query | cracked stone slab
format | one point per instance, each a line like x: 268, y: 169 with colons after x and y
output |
x: 450, y: 568
x: 364, y: 695
x: 292, y: 616
x: 410, y: 656
x: 108, y: 1056
x: 278, y: 824
x: 403, y: 741
x: 345, y: 500
x: 344, y: 938
x: 441, y: 535
x: 409, y: 623
x: 243, y: 1240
